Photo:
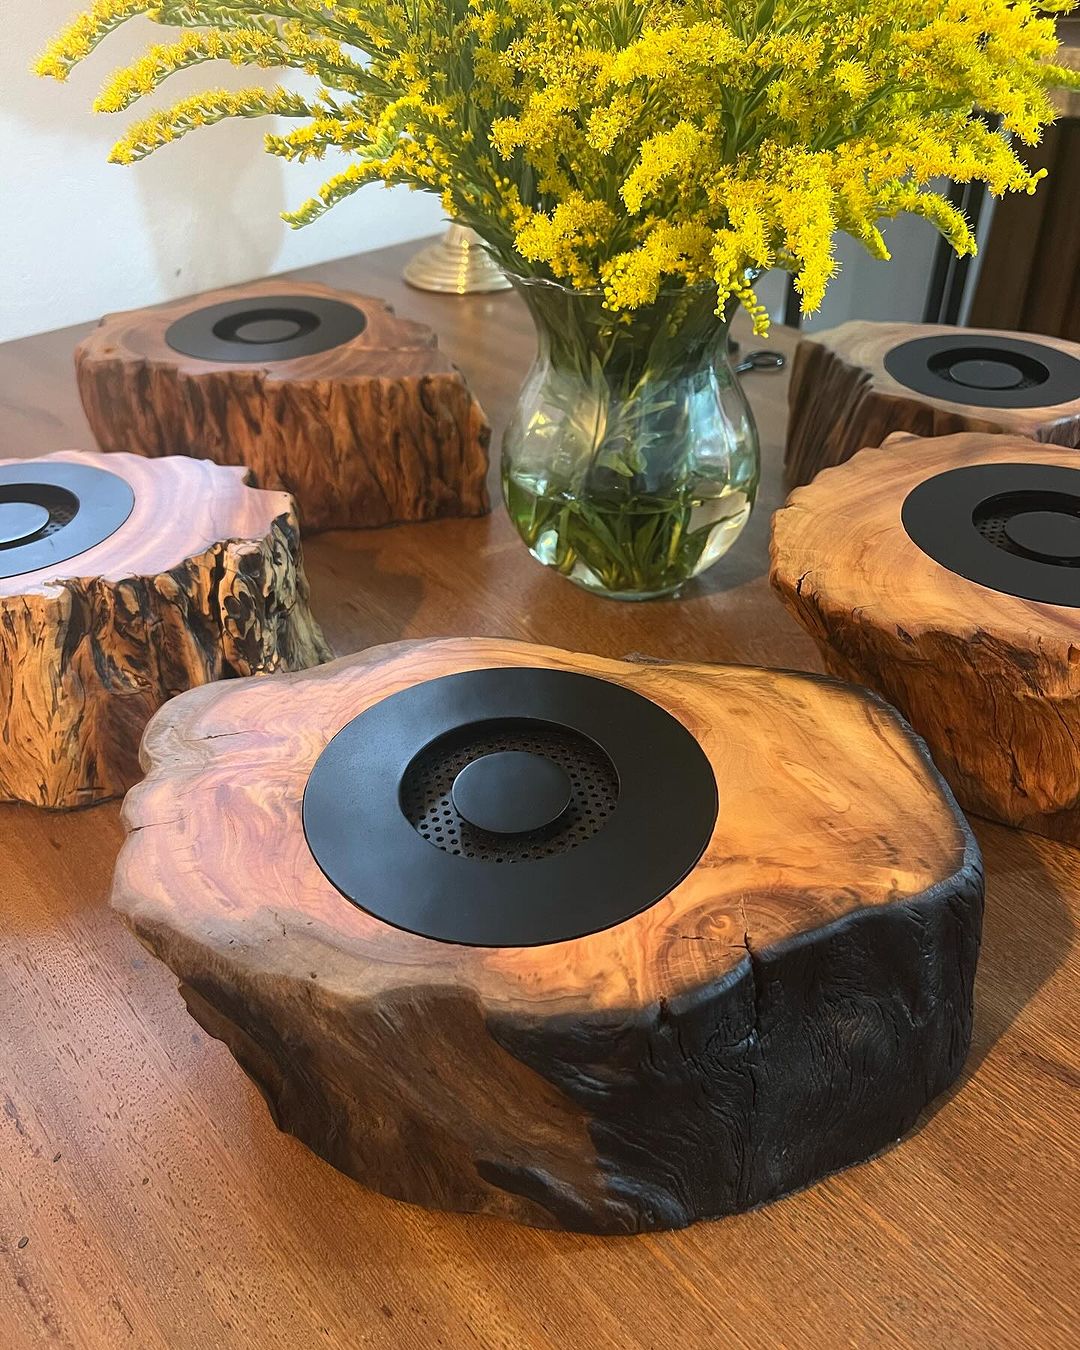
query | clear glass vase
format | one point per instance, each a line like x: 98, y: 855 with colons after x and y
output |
x: 631, y: 461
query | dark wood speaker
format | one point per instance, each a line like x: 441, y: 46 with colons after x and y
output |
x: 326, y: 394
x: 583, y: 943
x: 945, y: 574
x: 853, y: 385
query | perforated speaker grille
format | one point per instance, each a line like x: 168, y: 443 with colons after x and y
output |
x: 975, y: 367
x: 426, y: 786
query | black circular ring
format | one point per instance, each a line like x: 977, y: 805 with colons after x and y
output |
x: 84, y: 506
x: 986, y: 370
x: 266, y: 328
x: 960, y: 518
x: 360, y: 837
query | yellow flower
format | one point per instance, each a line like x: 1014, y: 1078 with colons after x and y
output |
x: 628, y: 144
x: 200, y: 111
x: 84, y: 33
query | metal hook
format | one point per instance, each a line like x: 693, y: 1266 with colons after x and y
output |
x: 760, y: 361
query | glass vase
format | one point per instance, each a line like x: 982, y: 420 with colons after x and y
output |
x: 631, y: 461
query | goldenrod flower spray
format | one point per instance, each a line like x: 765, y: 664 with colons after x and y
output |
x: 632, y: 150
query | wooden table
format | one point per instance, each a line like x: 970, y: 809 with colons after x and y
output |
x: 146, y: 1199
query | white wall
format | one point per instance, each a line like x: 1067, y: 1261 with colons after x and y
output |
x: 80, y: 236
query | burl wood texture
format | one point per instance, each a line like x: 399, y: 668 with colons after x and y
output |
x: 786, y: 1011
x: 842, y: 399
x: 203, y: 580
x: 377, y: 430
x: 991, y: 681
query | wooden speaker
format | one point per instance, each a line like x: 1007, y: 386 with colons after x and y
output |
x: 122, y: 582
x: 945, y: 574
x: 324, y: 393
x: 582, y: 943
x: 853, y: 385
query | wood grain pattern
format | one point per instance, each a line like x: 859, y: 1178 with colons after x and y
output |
x: 163, y: 1209
x: 842, y: 399
x: 377, y: 430
x: 991, y: 681
x: 203, y: 580
x: 785, y: 1011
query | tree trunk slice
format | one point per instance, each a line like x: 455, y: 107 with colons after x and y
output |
x: 203, y: 580
x: 785, y: 1011
x: 990, y: 681
x: 377, y: 430
x: 841, y: 398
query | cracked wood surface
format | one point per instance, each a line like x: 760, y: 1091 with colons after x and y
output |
x: 203, y: 580
x: 787, y: 1010
x: 377, y: 430
x: 991, y: 681
x: 162, y: 1209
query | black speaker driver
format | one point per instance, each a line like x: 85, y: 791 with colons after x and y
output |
x: 266, y: 328
x: 510, y: 807
x: 1013, y: 527
x: 52, y: 511
x: 986, y: 370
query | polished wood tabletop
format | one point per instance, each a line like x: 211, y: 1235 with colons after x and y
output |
x: 147, y: 1200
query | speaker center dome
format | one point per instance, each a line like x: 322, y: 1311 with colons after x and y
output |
x: 511, y: 792
x: 20, y: 521
x: 1052, y: 535
x: 976, y: 373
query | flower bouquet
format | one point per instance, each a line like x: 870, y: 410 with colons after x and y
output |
x: 634, y: 165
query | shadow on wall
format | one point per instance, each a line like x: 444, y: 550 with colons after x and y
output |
x: 212, y: 213
x: 199, y: 213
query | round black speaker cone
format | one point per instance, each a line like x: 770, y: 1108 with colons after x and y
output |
x: 260, y: 326
x: 510, y: 807
x: 51, y: 511
x: 1012, y: 527
x: 986, y: 370
x: 276, y: 328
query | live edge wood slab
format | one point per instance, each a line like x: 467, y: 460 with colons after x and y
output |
x: 378, y: 429
x: 841, y: 398
x: 991, y: 681
x: 786, y: 1011
x: 202, y: 580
